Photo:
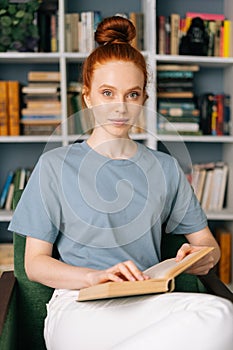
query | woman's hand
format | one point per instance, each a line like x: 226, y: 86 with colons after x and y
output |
x: 124, y: 271
x: 202, y: 266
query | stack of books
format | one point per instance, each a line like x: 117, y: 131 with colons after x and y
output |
x: 172, y: 29
x: 42, y: 114
x: 177, y: 107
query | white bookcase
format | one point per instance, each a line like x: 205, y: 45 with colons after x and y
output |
x: 61, y: 60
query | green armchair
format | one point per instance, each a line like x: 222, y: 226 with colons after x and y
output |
x: 23, y: 303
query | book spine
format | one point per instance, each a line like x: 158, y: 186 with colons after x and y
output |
x: 74, y: 32
x: 161, y: 35
x: 168, y: 36
x: 68, y: 40
x: 176, y: 94
x: 179, y: 112
x: 6, y: 188
x: 227, y: 38
x: 175, y: 26
x: 175, y: 74
x: 41, y: 76
x: 54, y: 31
x: 212, y: 31
x: 227, y: 115
x: 224, y: 239
x: 217, y: 38
x: 220, y: 111
x: 206, y: 104
x: 3, y: 108
x: 14, y: 107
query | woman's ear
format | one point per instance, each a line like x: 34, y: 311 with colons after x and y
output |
x: 86, y: 98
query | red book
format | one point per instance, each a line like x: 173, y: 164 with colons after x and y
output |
x: 206, y: 16
x: 220, y: 113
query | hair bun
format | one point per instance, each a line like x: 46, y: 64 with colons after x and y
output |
x: 115, y: 30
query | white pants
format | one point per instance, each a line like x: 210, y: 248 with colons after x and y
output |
x: 176, y: 321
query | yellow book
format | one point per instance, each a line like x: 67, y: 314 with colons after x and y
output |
x: 14, y: 107
x: 3, y: 108
x: 227, y: 38
x: 162, y: 279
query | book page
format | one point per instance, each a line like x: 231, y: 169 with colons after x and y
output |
x: 171, y: 268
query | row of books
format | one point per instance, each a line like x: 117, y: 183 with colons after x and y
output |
x: 209, y: 181
x: 15, y: 180
x: 41, y: 96
x: 80, y: 29
x: 174, y: 35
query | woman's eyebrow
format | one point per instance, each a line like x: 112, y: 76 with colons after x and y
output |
x: 114, y: 88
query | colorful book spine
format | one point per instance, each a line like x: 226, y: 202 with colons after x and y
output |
x: 3, y: 108
x: 175, y: 27
x: 227, y: 38
x: 224, y: 239
x: 6, y: 188
x: 14, y: 107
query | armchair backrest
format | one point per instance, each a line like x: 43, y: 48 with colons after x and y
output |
x: 31, y: 297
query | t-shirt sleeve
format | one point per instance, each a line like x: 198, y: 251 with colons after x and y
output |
x: 186, y: 215
x: 32, y: 216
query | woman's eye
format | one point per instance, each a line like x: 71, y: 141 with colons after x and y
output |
x: 133, y: 95
x: 107, y: 93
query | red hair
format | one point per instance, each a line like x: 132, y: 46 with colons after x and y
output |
x: 114, y: 35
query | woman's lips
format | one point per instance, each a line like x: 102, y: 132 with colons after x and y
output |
x: 119, y: 122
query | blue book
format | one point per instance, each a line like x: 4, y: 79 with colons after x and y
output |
x: 6, y: 188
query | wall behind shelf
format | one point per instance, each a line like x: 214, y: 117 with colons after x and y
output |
x: 180, y: 6
x: 196, y: 152
x: 209, y: 80
x: 19, y: 71
x: 14, y: 155
x: 108, y: 8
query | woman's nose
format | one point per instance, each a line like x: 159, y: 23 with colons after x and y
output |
x: 121, y: 106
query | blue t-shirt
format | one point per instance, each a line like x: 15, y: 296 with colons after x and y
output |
x: 100, y: 211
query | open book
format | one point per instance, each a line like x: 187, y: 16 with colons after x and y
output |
x: 161, y: 280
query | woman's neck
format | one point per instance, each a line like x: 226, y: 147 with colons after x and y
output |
x: 113, y: 147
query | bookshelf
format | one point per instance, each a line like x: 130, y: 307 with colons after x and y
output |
x: 216, y: 73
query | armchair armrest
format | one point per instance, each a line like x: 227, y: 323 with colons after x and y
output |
x: 215, y: 286
x: 7, y: 283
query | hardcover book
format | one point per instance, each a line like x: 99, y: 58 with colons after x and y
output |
x: 162, y: 279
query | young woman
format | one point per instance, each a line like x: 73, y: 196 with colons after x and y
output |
x: 103, y: 202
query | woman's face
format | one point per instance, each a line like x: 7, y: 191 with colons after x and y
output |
x: 116, y: 96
